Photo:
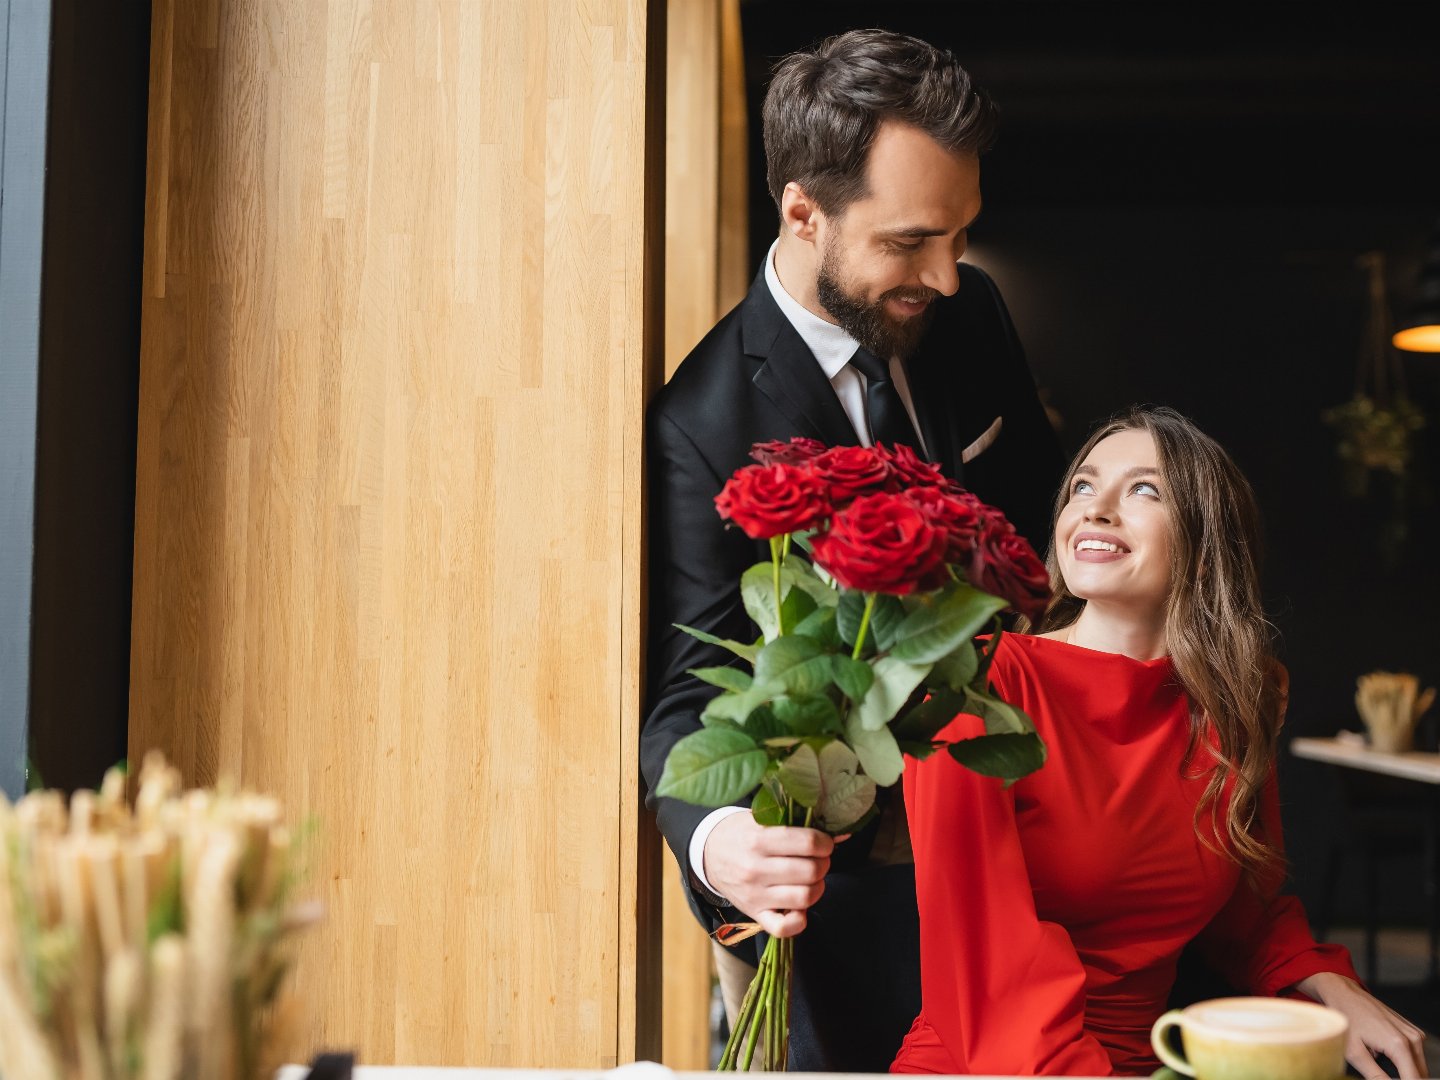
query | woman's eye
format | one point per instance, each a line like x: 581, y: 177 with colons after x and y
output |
x: 1146, y: 488
x: 1082, y: 487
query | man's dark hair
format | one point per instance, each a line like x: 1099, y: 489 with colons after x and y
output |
x: 825, y: 105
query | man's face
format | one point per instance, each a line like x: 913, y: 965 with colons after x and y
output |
x: 891, y: 253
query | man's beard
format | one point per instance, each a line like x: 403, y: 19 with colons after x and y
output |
x: 869, y: 323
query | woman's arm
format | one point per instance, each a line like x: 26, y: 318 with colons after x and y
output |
x: 1003, y: 991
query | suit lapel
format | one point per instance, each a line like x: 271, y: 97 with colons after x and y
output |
x: 933, y: 395
x: 790, y: 376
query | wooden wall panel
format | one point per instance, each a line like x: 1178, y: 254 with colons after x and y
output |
x: 396, y: 345
x: 706, y: 274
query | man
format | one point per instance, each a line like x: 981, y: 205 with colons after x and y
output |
x: 862, y: 326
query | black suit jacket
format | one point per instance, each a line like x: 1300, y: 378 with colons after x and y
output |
x: 753, y: 379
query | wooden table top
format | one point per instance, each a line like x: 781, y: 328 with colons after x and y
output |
x: 1418, y: 765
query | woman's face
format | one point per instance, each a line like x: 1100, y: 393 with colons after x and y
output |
x: 1113, y: 535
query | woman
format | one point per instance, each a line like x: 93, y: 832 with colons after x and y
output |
x: 1052, y: 913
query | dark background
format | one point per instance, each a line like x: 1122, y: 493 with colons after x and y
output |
x: 1173, y: 212
x: 89, y: 389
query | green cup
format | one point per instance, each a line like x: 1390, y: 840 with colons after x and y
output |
x: 1247, y: 1038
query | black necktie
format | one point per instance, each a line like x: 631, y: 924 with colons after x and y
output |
x: 889, y: 423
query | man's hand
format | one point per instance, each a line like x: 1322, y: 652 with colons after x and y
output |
x: 772, y: 873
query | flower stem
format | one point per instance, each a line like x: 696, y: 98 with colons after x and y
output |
x: 864, y: 625
x: 776, y: 558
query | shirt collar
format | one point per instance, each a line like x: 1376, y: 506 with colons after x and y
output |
x: 832, y: 346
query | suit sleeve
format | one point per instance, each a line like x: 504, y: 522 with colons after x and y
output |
x: 1003, y: 989
x: 694, y: 570
x: 1260, y: 940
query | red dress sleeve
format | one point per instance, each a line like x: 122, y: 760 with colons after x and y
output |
x: 1260, y: 940
x: 1003, y: 990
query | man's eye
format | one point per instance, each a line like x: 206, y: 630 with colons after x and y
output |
x: 897, y: 245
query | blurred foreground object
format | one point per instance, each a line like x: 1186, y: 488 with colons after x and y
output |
x: 1390, y: 705
x: 146, y: 942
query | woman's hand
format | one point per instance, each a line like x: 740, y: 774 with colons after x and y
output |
x: 1374, y: 1027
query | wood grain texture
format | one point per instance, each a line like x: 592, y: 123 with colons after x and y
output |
x: 396, y: 345
x: 705, y: 276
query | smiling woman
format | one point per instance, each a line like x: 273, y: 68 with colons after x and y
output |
x: 1154, y: 822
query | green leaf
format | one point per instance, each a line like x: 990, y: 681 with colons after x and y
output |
x: 799, y: 574
x: 711, y: 720
x: 895, y: 681
x: 727, y: 678
x: 848, y: 613
x: 745, y: 652
x: 736, y: 707
x: 1008, y: 756
x: 918, y: 750
x: 1001, y: 718
x: 807, y: 714
x: 763, y: 724
x: 854, y: 677
x: 796, y: 665
x: 712, y: 767
x: 877, y: 750
x: 765, y: 807
x: 796, y: 606
x: 800, y: 775
x: 922, y: 723
x: 986, y: 655
x: 940, y: 627
x: 819, y: 626
x: 848, y: 794
x: 957, y: 670
x: 757, y: 590
x: 885, y: 619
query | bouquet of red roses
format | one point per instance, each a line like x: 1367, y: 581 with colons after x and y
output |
x: 867, y: 650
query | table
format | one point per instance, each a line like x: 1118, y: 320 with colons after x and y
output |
x: 644, y: 1070
x: 1415, y: 765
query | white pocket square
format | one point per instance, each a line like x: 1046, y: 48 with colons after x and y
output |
x: 980, y: 445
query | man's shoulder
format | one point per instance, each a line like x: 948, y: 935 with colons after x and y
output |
x: 713, y: 370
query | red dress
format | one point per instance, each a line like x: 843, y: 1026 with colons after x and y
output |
x: 1052, y: 914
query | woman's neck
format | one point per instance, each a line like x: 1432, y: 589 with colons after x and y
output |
x: 1107, y: 629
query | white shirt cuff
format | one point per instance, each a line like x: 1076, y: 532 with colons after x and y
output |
x: 701, y: 834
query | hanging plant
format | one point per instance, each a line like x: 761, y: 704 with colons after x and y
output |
x: 1378, y: 428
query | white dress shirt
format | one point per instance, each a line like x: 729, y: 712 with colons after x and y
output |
x: 832, y: 348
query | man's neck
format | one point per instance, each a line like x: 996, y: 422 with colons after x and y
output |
x: 796, y: 268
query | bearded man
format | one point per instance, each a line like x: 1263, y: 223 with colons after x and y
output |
x: 863, y: 325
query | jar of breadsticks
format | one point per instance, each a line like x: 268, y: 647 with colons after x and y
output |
x: 145, y: 942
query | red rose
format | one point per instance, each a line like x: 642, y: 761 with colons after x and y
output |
x: 852, y: 471
x: 1005, y: 565
x: 795, y: 452
x: 960, y: 518
x: 881, y: 543
x: 909, y: 467
x: 770, y: 500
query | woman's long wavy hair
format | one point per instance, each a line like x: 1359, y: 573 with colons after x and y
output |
x: 1218, y: 637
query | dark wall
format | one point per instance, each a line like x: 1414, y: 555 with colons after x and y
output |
x: 89, y: 379
x: 1173, y: 213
